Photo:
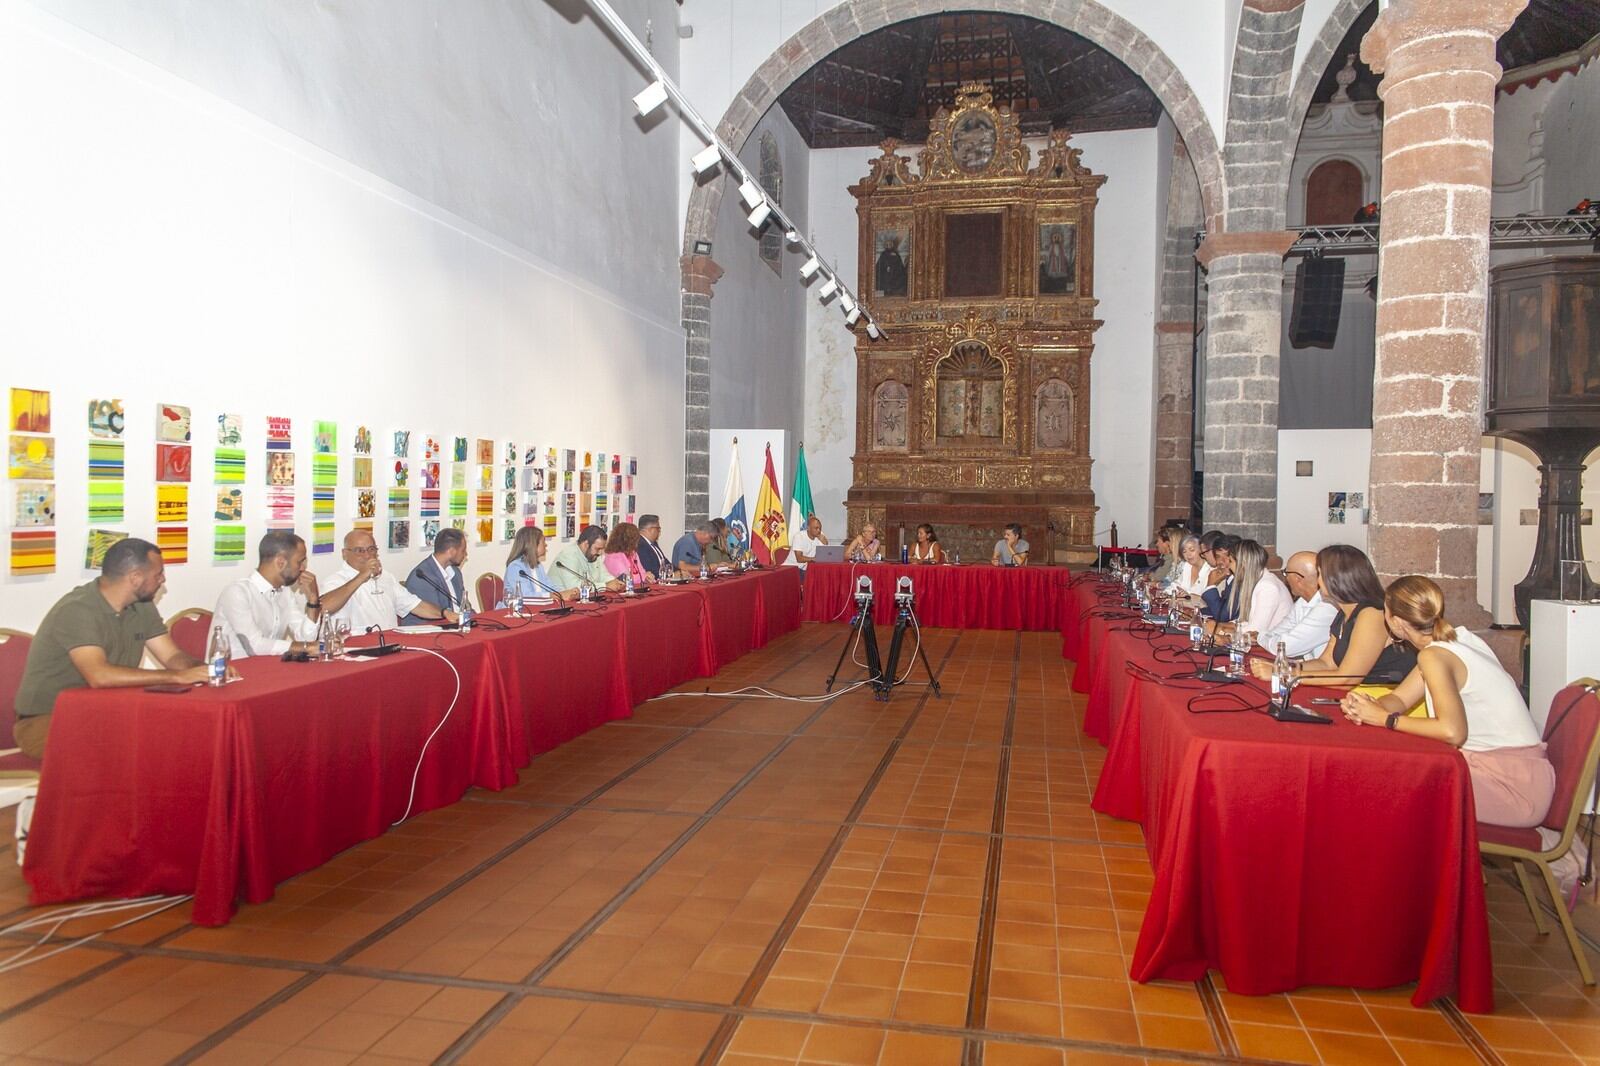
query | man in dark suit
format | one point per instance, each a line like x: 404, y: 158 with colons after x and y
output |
x: 438, y: 579
x: 651, y: 557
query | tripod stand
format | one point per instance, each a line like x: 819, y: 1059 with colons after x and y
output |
x: 861, y: 627
x: 903, y: 615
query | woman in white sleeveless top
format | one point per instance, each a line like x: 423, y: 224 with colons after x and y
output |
x: 1472, y: 703
x: 1193, y: 573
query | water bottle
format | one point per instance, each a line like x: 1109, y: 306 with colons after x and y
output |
x: 905, y: 554
x: 1282, y: 673
x: 627, y: 583
x: 466, y: 618
x: 1197, y: 632
x: 585, y: 591
x: 217, y: 657
x: 1236, y: 650
x: 705, y: 572
x: 958, y: 557
x: 514, y: 601
x: 322, y: 637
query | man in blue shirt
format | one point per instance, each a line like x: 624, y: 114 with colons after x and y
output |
x: 689, y: 552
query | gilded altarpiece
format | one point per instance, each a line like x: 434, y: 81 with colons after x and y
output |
x: 973, y: 410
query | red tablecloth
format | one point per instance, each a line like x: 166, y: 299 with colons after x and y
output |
x: 225, y: 792
x: 952, y: 597
x: 1290, y: 855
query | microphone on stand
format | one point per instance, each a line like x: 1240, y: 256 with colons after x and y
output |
x: 581, y: 577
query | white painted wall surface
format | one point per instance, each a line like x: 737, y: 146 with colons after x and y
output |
x: 758, y: 317
x: 1572, y: 139
x: 178, y: 249
x: 752, y: 450
x: 1340, y: 461
x: 1314, y: 14
x: 1122, y: 371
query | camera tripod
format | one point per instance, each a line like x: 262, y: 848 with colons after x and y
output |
x: 881, y: 675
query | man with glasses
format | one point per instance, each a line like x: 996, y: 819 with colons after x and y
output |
x: 1304, y: 633
x: 651, y: 556
x: 362, y: 594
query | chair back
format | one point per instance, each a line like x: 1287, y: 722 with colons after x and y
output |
x: 491, y: 589
x: 1572, y: 744
x: 14, y: 645
x: 190, y: 631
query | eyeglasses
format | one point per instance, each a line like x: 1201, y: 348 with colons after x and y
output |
x: 363, y: 551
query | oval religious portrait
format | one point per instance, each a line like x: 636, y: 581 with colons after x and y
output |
x: 972, y: 140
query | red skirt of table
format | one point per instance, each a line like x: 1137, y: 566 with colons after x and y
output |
x: 1285, y: 855
x: 225, y: 792
x: 954, y: 597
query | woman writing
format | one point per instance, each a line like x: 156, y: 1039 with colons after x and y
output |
x: 865, y: 546
x: 622, y: 554
x: 1359, y: 648
x: 1259, y: 598
x: 926, y: 549
x: 525, y: 574
x: 1473, y: 704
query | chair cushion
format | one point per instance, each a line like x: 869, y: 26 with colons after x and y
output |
x: 1507, y: 837
x: 1569, y: 736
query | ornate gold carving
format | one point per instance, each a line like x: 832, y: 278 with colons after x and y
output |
x: 889, y: 168
x: 973, y: 140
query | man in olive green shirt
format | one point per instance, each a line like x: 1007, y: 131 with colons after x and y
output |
x: 96, y: 636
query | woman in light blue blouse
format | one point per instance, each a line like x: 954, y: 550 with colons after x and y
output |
x: 525, y: 566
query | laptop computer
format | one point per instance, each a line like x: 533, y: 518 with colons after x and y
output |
x: 828, y: 553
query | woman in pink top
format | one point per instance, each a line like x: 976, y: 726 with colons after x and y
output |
x: 622, y: 554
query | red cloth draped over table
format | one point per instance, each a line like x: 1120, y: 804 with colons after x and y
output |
x: 954, y: 597
x: 225, y: 792
x: 1288, y: 855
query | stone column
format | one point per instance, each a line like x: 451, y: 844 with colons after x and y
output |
x: 1244, y: 320
x: 1439, y: 72
x: 700, y: 274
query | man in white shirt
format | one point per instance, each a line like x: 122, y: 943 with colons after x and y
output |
x: 276, y: 608
x: 804, y: 543
x: 364, y: 595
x: 1304, y: 633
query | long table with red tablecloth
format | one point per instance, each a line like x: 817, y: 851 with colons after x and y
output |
x: 976, y: 596
x: 224, y: 792
x: 1285, y: 854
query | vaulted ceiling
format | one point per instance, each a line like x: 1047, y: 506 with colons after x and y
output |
x: 891, y: 82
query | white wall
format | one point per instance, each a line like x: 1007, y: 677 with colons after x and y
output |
x: 1340, y: 460
x: 758, y: 317
x: 176, y: 248
x: 1122, y: 371
x: 1572, y: 139
x: 752, y: 448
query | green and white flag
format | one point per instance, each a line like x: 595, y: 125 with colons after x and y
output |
x: 800, y: 505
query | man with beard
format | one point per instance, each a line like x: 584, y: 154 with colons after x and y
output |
x: 274, y: 609
x: 96, y: 636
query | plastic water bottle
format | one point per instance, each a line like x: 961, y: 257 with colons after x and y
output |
x: 705, y: 572
x: 585, y: 591
x: 466, y: 618
x: 514, y: 601
x: 958, y: 557
x: 1282, y: 673
x: 322, y: 637
x: 1236, y: 650
x: 1197, y: 633
x: 627, y: 583
x: 217, y: 657
x: 905, y: 554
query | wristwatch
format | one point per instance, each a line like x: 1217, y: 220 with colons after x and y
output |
x: 1393, y: 718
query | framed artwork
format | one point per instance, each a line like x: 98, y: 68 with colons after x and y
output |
x: 172, y: 423
x: 891, y: 260
x: 1058, y: 259
x: 972, y: 253
x: 106, y: 419
x: 972, y: 140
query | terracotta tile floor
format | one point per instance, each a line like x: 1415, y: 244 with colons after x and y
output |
x: 756, y: 882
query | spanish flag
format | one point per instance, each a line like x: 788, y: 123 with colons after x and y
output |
x: 769, y: 531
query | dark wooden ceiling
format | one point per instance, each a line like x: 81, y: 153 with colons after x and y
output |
x: 1544, y: 30
x: 891, y: 82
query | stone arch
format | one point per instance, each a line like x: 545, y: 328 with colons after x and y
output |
x: 1318, y: 56
x: 815, y: 41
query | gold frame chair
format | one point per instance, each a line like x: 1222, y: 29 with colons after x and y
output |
x: 15, y: 775
x: 190, y: 613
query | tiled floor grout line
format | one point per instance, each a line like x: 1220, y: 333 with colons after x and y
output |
x: 1470, y: 1036
x: 791, y: 920
x: 45, y: 995
x: 492, y: 1017
x: 779, y: 819
x: 1217, y: 1017
x: 283, y: 995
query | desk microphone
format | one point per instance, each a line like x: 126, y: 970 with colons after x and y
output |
x: 383, y: 648
x: 583, y: 578
x: 449, y: 597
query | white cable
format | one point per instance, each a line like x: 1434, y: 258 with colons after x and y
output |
x: 56, y: 919
x: 756, y: 692
x: 412, y: 798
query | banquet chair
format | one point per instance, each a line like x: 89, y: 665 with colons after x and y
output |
x: 14, y: 764
x: 1572, y: 742
x: 491, y: 587
x: 190, y: 631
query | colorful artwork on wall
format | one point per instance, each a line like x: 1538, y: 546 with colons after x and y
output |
x: 172, y: 462
x: 230, y: 430
x: 100, y: 542
x: 30, y: 411
x: 31, y: 458
x: 106, y: 419
x: 173, y: 423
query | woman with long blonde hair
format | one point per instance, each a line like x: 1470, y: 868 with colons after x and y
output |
x: 1473, y: 705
